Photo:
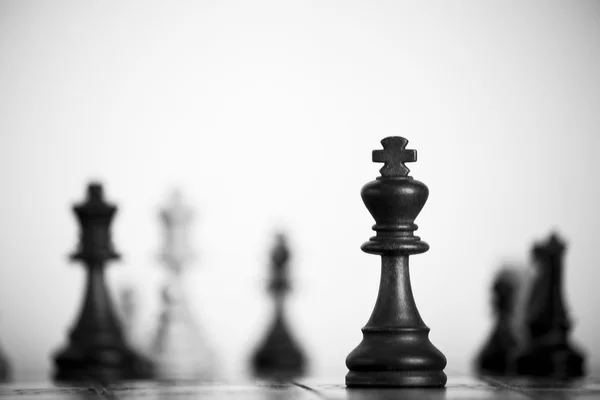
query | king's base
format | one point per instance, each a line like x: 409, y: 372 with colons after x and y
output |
x: 405, y: 379
x: 74, y: 365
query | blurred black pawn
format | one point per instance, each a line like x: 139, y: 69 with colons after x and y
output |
x: 279, y: 356
x: 547, y: 351
x: 496, y: 356
x: 97, y: 349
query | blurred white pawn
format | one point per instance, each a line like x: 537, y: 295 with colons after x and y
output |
x: 180, y: 350
x: 128, y: 308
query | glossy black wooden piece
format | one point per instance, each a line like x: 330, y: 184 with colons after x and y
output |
x: 279, y: 356
x: 395, y: 350
x: 97, y: 349
x: 548, y: 351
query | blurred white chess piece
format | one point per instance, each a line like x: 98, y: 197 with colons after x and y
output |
x: 180, y: 349
x: 128, y: 307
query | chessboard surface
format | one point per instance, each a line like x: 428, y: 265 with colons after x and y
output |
x: 458, y: 387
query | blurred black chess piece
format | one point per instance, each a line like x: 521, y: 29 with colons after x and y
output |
x: 395, y: 350
x: 547, y: 351
x: 5, y: 369
x: 497, y: 355
x: 97, y: 349
x: 279, y: 357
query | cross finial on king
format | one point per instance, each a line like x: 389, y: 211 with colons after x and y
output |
x: 394, y: 155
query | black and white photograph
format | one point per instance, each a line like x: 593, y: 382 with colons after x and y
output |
x: 326, y: 200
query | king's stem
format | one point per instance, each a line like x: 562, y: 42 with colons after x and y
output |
x: 395, y: 307
x: 97, y: 317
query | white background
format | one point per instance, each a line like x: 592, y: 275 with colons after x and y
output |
x: 265, y: 114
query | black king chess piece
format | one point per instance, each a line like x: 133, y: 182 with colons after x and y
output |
x: 547, y: 352
x: 279, y: 357
x: 497, y: 354
x: 395, y: 350
x: 97, y: 350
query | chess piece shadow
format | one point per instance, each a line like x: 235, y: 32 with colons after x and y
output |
x: 279, y: 357
x: 395, y: 350
x: 548, y: 351
x: 97, y: 349
x: 497, y: 355
x: 181, y: 351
